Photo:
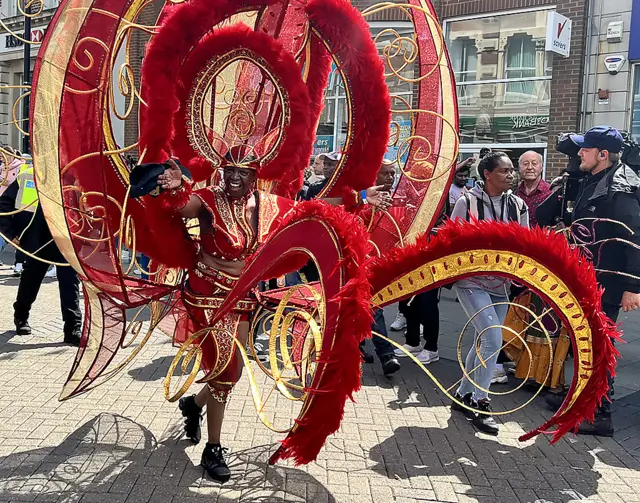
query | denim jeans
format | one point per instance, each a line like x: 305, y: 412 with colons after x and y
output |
x: 382, y: 347
x: 474, y: 301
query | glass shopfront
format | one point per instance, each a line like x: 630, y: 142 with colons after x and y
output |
x: 332, y: 128
x: 503, y: 80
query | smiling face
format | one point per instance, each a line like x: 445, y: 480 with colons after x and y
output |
x: 238, y: 182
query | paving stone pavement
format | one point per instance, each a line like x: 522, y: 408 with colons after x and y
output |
x: 399, y: 443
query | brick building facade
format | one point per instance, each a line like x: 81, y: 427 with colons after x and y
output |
x: 567, y: 73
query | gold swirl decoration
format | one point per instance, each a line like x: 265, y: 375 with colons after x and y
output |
x: 295, y: 342
x: 405, y: 64
x: 509, y: 264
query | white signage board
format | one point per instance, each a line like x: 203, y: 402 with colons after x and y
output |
x: 558, y: 33
x: 11, y: 43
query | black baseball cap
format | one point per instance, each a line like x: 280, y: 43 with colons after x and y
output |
x: 600, y: 137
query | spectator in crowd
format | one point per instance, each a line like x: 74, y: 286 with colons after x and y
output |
x: 36, y: 239
x: 484, y: 298
x: 329, y: 163
x: 533, y: 189
x: 9, y: 168
x: 459, y: 185
x: 422, y: 316
x: 608, y: 196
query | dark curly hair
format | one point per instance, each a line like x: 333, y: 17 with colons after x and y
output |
x: 490, y: 162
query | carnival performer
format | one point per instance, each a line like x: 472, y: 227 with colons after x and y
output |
x: 233, y: 220
x: 484, y: 298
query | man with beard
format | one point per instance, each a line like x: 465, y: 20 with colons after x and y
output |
x: 608, y: 205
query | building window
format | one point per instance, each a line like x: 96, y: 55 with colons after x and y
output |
x: 464, y: 59
x: 520, y: 63
x: 331, y: 134
x: 503, y: 78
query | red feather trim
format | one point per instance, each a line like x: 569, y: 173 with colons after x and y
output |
x: 342, y: 373
x: 347, y: 34
x: 183, y: 26
x: 288, y: 165
x: 566, y: 262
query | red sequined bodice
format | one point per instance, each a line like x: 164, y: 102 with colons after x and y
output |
x: 232, y: 236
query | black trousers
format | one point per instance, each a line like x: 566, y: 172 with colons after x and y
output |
x: 68, y: 284
x: 612, y: 311
x: 423, y: 310
x: 19, y: 257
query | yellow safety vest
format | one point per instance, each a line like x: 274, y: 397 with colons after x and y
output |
x: 27, y: 197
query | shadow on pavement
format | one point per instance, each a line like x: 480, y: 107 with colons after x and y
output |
x: 491, y: 471
x: 112, y: 458
x: 152, y: 371
x: 9, y: 350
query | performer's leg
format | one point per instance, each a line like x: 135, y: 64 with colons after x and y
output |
x: 218, y: 394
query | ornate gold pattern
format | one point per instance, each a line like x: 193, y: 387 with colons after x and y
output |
x: 239, y: 107
x: 511, y: 265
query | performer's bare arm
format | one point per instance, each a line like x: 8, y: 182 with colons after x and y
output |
x: 171, y: 179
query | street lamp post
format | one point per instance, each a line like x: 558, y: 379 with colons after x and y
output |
x: 26, y: 75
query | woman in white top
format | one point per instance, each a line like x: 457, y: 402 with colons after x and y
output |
x: 484, y: 298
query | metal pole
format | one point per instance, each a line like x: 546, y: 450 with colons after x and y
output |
x: 26, y: 73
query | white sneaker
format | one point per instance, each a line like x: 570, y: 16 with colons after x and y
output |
x: 499, y: 377
x: 399, y: 323
x: 414, y: 350
x: 52, y: 273
x: 17, y: 269
x: 426, y: 357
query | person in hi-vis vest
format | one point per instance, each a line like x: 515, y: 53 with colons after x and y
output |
x: 35, y: 238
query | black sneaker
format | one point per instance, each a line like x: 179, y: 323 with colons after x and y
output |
x: 554, y: 400
x: 485, y: 422
x: 602, y: 426
x: 22, y: 327
x: 214, y: 464
x: 390, y: 365
x: 366, y: 357
x: 73, y: 338
x: 468, y: 401
x: 193, y: 417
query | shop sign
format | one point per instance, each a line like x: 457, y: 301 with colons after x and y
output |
x: 558, y: 33
x: 528, y: 121
x: 323, y: 144
x: 12, y: 43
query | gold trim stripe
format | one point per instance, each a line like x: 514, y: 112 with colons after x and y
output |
x: 483, y: 262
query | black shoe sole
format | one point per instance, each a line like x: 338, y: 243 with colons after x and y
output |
x: 222, y: 480
x: 23, y: 332
x: 485, y: 430
x: 392, y: 369
x: 597, y: 433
